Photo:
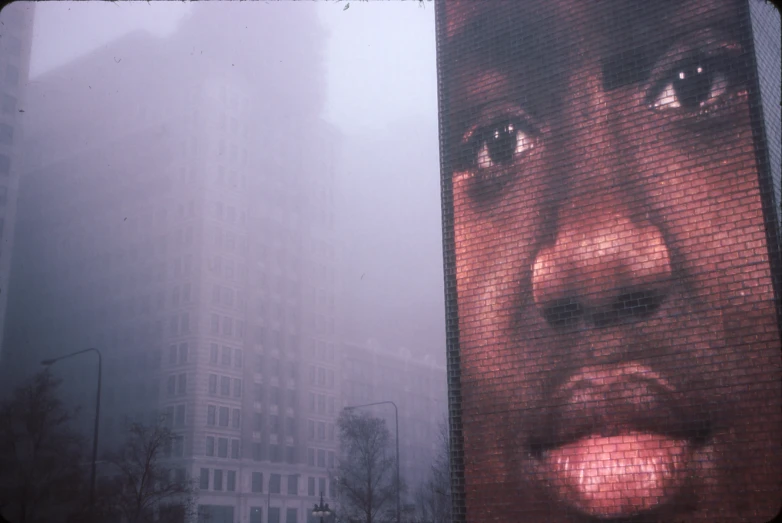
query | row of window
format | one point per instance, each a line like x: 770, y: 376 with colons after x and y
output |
x: 221, y: 416
x: 221, y: 480
x: 228, y: 357
x: 321, y: 377
x: 220, y: 477
x: 225, y: 387
x: 275, y: 395
x: 176, y: 384
x: 219, y: 447
x: 230, y: 328
x: 320, y: 458
x: 275, y: 424
x: 319, y: 406
x: 321, y: 430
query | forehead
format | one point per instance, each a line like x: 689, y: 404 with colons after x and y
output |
x: 602, y: 25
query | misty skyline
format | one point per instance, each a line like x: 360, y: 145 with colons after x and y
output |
x: 364, y: 44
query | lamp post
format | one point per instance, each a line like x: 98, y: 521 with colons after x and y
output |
x: 321, y: 510
x: 52, y: 361
x: 396, y: 425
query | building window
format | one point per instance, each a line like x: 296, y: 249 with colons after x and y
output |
x: 210, y: 446
x: 226, y: 357
x: 183, y: 353
x: 231, y: 481
x: 225, y: 386
x: 172, y: 355
x: 293, y: 485
x: 311, y: 429
x: 222, y: 447
x: 255, y: 514
x: 203, y: 484
x: 213, y: 352
x: 275, y: 483
x: 321, y: 431
x: 237, y: 419
x: 257, y: 452
x: 258, y: 421
x: 180, y: 416
x: 171, y: 385
x: 322, y: 485
x: 181, y: 387
x: 238, y: 358
x: 224, y: 412
x: 257, y: 482
x: 237, y: 388
x: 290, y: 455
x: 290, y: 515
x: 179, y: 446
x: 274, y: 515
x: 218, y: 480
x: 213, y: 384
x: 322, y: 458
x: 215, y: 327
x: 311, y: 486
x: 311, y: 457
x: 210, y: 415
x: 235, y: 454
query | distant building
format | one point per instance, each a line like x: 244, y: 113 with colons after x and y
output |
x: 15, y: 45
x: 418, y: 386
x: 176, y: 213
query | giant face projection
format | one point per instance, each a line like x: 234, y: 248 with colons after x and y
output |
x: 618, y: 340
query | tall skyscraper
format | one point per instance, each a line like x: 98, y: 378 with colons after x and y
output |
x: 15, y: 45
x: 177, y: 215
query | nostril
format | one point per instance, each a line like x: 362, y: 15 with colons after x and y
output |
x: 633, y: 305
x: 563, y: 313
x: 628, y: 306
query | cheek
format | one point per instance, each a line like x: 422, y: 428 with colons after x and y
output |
x: 493, y: 250
x: 711, y: 211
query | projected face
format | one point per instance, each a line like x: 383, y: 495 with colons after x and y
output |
x: 619, y: 347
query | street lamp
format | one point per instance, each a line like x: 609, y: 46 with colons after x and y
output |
x: 396, y: 424
x: 321, y: 510
x: 52, y: 361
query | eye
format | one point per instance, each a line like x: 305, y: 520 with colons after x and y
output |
x: 500, y: 144
x: 693, y: 85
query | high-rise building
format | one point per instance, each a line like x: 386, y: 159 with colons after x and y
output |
x: 15, y: 45
x: 177, y: 214
x: 371, y: 373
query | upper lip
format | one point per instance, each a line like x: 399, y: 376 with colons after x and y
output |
x: 609, y: 400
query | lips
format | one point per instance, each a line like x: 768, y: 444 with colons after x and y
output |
x: 616, y: 441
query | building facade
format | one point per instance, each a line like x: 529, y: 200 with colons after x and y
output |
x: 186, y: 235
x: 15, y: 46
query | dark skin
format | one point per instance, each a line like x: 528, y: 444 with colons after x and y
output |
x: 610, y: 247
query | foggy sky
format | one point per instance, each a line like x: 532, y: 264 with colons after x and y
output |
x: 381, y: 95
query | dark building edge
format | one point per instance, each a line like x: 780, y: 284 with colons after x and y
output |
x: 453, y: 360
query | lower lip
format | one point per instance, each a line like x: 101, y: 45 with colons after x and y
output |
x: 619, y: 475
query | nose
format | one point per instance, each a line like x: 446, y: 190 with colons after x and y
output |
x: 604, y: 267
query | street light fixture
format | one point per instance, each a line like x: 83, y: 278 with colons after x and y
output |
x: 396, y: 424
x: 52, y: 361
x: 321, y: 510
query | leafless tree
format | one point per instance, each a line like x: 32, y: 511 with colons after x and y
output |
x: 433, y: 497
x: 42, y: 477
x: 365, y: 478
x: 140, y: 487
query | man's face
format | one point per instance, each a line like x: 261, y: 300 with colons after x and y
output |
x: 618, y: 340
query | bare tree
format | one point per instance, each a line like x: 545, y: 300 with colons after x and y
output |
x: 140, y: 488
x: 365, y: 478
x: 41, y: 473
x: 433, y: 497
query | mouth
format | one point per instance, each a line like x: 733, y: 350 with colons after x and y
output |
x: 616, y: 441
